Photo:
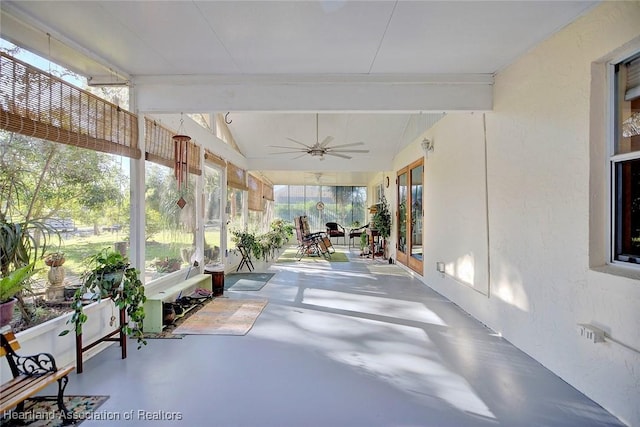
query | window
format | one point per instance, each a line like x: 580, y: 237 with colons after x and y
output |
x: 625, y: 162
x: 169, y: 229
x: 345, y: 205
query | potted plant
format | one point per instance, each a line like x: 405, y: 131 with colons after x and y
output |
x: 111, y: 276
x: 167, y: 265
x: 54, y: 259
x: 20, y: 244
x: 106, y: 270
x: 11, y: 285
x: 381, y: 221
x: 364, y: 244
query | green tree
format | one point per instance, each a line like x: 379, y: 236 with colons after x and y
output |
x: 42, y: 179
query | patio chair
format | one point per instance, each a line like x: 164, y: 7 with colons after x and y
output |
x: 336, y: 230
x: 311, y: 244
x: 357, y: 232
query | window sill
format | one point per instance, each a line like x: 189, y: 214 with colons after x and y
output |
x: 627, y: 271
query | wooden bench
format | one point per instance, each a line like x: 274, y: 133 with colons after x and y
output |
x: 30, y: 375
x: 153, y: 313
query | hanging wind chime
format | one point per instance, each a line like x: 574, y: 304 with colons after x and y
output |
x: 181, y: 155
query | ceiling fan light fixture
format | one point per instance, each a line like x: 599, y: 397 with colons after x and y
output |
x: 321, y: 148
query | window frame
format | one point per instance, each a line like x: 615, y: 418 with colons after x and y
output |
x: 616, y: 256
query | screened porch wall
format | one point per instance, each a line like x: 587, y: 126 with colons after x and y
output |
x: 342, y: 204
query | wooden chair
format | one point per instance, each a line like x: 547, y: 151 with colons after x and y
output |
x: 336, y: 230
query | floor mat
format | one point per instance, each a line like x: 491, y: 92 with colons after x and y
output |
x: 223, y: 316
x: 45, y: 413
x: 246, y: 281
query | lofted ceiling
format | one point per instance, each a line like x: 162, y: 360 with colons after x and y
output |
x: 380, y: 72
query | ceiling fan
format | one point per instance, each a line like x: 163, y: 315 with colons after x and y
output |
x: 320, y: 149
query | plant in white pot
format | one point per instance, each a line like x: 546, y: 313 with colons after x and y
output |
x: 110, y: 275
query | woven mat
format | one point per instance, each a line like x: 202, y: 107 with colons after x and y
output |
x: 45, y: 413
x: 223, y: 316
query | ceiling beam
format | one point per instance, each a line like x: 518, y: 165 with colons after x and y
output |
x: 374, y: 93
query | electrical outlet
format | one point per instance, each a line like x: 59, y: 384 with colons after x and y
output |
x: 440, y: 267
x: 591, y: 333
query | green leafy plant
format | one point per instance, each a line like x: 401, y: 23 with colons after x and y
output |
x: 15, y: 282
x: 381, y: 220
x: 111, y: 276
x: 21, y: 244
x: 364, y: 241
x: 167, y: 265
x: 262, y: 245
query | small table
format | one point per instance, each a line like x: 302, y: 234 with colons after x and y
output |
x: 246, y: 258
x: 374, y: 237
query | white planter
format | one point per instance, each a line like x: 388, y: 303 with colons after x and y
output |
x: 44, y: 338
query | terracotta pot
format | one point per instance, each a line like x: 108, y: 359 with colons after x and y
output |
x: 6, y: 312
x: 56, y: 263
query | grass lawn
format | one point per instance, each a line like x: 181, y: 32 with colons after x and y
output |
x: 165, y: 244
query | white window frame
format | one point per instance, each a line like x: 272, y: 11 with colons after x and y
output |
x: 615, y: 159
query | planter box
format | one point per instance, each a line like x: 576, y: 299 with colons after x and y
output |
x: 44, y: 337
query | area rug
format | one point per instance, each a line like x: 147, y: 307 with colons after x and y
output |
x: 246, y: 281
x: 45, y: 413
x: 289, y: 255
x: 223, y: 316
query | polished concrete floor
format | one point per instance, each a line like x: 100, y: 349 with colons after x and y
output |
x: 341, y: 344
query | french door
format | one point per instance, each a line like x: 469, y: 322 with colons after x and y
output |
x: 410, y: 216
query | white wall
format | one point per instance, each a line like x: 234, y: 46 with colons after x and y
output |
x: 540, y: 284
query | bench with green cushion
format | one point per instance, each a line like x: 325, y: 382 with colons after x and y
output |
x: 169, y: 293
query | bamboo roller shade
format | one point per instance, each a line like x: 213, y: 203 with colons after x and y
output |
x: 38, y: 104
x: 236, y: 177
x: 160, y: 147
x: 209, y: 157
x: 267, y: 191
x: 255, y: 193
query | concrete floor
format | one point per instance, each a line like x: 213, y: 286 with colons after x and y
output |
x: 341, y: 344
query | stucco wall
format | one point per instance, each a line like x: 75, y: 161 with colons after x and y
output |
x: 537, y: 268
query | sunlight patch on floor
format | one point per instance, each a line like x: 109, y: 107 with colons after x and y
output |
x: 407, y: 310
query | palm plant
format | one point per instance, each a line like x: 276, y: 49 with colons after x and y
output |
x: 21, y: 243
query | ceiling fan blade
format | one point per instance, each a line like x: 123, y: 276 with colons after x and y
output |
x: 298, y: 142
x: 301, y: 155
x: 330, y: 150
x: 284, y: 146
x: 326, y: 141
x: 329, y: 153
x: 290, y: 152
x: 353, y: 144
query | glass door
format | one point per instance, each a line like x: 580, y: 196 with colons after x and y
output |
x: 401, y: 254
x: 410, y: 216
x: 415, y: 261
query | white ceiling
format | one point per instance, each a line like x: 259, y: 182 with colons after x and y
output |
x: 353, y: 56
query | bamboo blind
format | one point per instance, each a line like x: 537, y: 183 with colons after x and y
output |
x: 267, y: 191
x: 255, y: 193
x: 212, y: 158
x: 38, y: 104
x: 236, y: 177
x: 160, y: 148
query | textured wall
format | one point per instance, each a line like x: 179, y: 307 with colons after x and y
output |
x: 539, y: 149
